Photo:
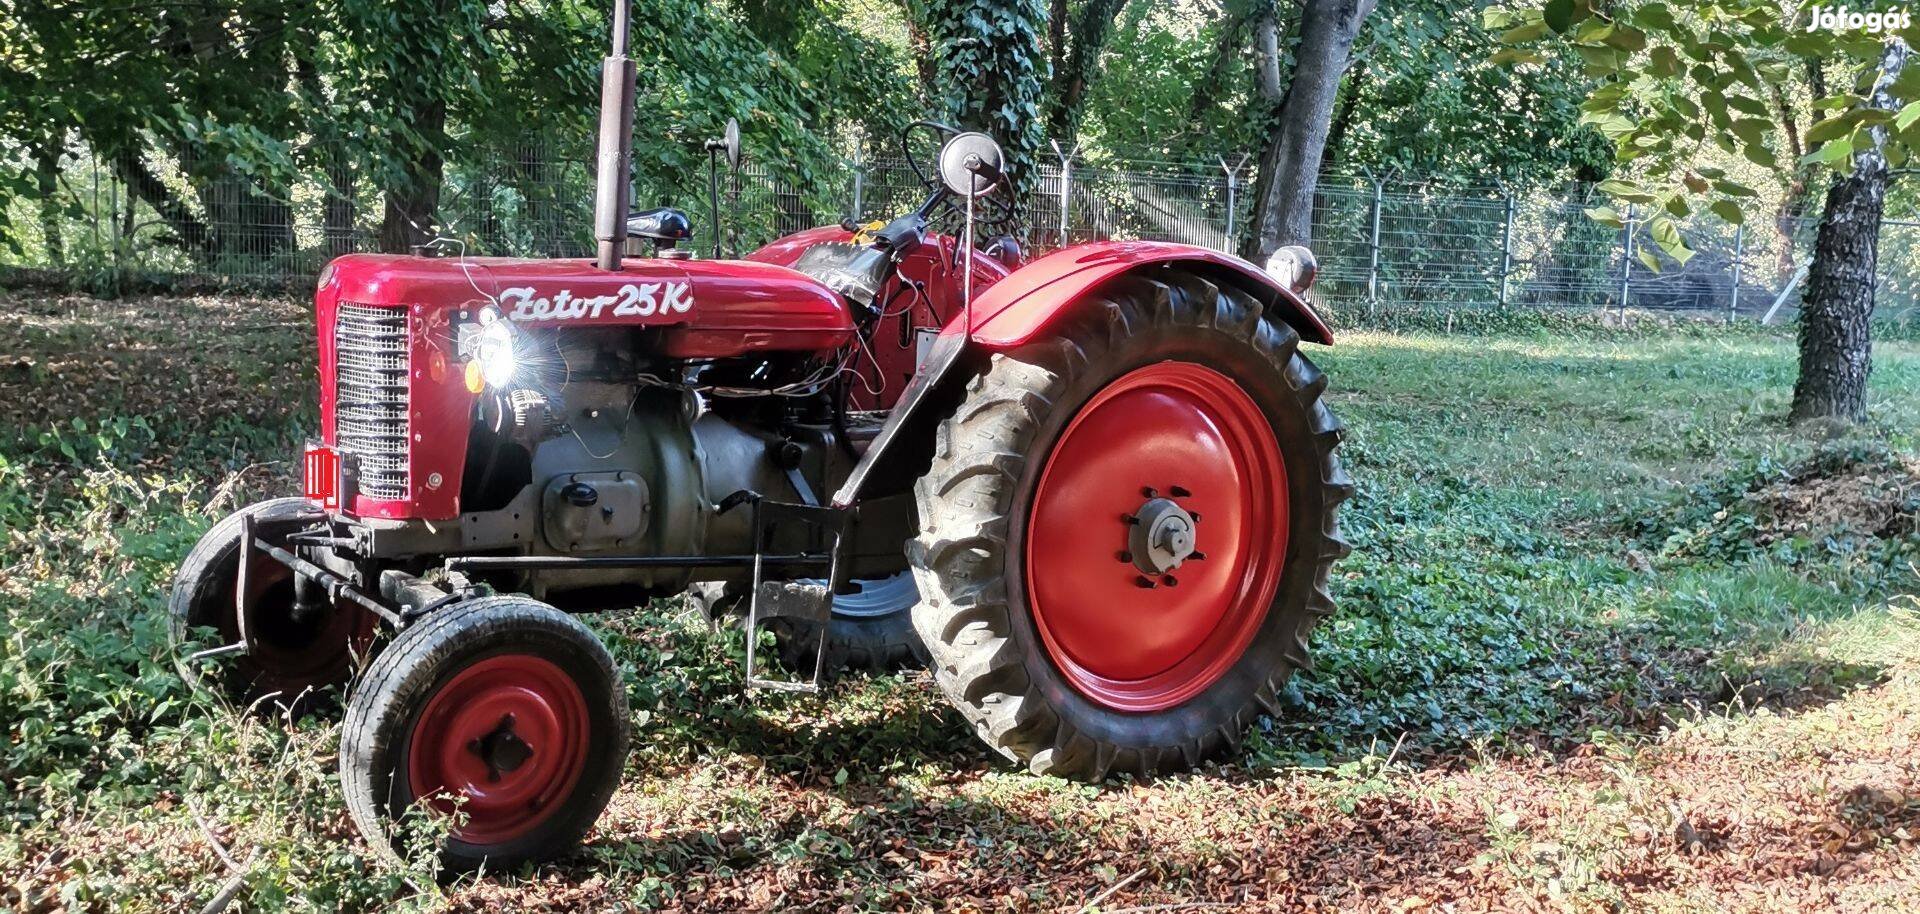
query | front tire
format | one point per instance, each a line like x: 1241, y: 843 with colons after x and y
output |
x: 1128, y: 530
x: 290, y: 659
x: 503, y: 711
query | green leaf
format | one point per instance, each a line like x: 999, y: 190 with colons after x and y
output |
x: 1907, y: 116
x: 1729, y: 210
x: 1831, y: 128
x: 1605, y: 215
x: 1532, y: 31
x: 1666, y: 234
x: 1647, y: 257
x: 1558, y: 15
x: 1831, y: 153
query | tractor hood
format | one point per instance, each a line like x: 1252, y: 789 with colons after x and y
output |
x: 705, y: 308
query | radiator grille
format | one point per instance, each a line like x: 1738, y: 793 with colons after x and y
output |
x: 370, y: 395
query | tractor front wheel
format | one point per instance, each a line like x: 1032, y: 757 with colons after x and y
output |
x: 291, y: 653
x: 502, y: 712
x: 1127, y: 531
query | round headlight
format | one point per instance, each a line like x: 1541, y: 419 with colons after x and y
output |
x: 494, y: 351
x: 1293, y: 266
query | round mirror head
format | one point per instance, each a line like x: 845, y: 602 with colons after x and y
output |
x: 1293, y: 266
x: 970, y: 163
x: 732, y: 140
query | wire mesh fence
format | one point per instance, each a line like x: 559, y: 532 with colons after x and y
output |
x: 1385, y: 242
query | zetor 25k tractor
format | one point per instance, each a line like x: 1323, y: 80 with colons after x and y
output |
x: 1095, y: 493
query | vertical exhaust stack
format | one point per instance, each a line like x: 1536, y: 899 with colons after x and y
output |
x: 616, y: 144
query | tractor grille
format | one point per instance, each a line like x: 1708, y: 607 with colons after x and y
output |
x: 370, y: 395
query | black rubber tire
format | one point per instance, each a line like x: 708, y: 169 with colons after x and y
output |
x: 388, y: 700
x: 869, y: 644
x: 202, y: 597
x: 986, y: 654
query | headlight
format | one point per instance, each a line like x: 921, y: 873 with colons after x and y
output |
x: 1293, y: 266
x: 488, y: 346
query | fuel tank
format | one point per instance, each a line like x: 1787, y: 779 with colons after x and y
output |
x: 704, y: 308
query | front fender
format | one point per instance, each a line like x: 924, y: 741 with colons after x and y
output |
x: 1016, y: 309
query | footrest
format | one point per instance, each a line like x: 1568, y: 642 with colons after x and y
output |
x: 811, y: 600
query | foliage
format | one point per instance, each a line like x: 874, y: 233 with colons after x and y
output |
x: 1676, y: 78
x: 990, y: 67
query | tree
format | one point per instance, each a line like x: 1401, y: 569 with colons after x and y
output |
x: 1673, y: 79
x: 1296, y: 137
x: 1076, y: 37
x: 990, y: 70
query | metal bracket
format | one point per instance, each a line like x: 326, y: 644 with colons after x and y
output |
x: 793, y: 599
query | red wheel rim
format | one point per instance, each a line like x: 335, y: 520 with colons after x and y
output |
x: 463, y: 746
x: 1189, y: 434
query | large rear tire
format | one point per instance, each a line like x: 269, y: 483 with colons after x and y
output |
x: 290, y: 660
x: 503, y: 709
x: 1128, y: 527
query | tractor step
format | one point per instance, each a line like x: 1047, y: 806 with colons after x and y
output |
x: 808, y: 600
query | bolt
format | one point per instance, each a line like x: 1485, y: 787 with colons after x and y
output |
x: 1144, y: 581
x: 1129, y: 519
x: 1195, y: 515
x: 1170, y: 581
x: 1180, y: 492
x: 1150, y: 492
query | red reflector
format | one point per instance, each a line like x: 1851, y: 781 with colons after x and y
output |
x: 323, y: 476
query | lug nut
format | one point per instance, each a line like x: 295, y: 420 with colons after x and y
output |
x: 1150, y: 492
x: 1170, y: 581
x: 1195, y: 515
x: 1124, y: 556
x: 1129, y: 519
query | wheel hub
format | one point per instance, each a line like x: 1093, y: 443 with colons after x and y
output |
x: 1162, y: 536
x: 502, y: 749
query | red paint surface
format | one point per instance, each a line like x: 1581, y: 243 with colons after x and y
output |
x: 1015, y: 311
x: 549, y: 714
x: 738, y: 307
x: 1168, y: 424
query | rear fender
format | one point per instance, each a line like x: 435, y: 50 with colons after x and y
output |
x: 1019, y: 308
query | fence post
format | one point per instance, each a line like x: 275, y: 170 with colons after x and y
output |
x: 1066, y: 184
x: 1739, y: 248
x: 1626, y: 263
x: 1506, y: 250
x: 1233, y: 208
x: 859, y: 179
x: 1373, y: 245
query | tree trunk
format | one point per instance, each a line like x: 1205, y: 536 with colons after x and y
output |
x: 1343, y: 118
x: 46, y: 171
x: 189, y: 232
x: 1076, y: 60
x: 1836, y: 352
x: 1290, y: 161
x: 413, y: 200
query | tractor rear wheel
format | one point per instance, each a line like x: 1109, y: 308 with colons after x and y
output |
x: 503, y: 712
x: 291, y: 657
x: 1127, y: 531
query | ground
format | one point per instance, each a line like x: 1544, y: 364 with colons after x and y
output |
x: 1613, y: 637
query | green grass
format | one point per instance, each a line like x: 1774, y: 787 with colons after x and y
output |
x: 1516, y: 589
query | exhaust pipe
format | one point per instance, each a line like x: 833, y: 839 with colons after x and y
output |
x: 616, y: 144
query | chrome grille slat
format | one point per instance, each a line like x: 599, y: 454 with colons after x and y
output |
x: 370, y: 395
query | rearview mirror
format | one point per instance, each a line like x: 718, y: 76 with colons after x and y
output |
x: 970, y: 164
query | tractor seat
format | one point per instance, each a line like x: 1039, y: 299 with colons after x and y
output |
x: 665, y: 225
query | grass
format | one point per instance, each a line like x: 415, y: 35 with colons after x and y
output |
x: 1580, y: 664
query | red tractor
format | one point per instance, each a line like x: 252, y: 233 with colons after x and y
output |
x: 1096, y: 493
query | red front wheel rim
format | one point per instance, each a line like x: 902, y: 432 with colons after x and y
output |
x: 1172, y: 438
x: 504, y: 741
